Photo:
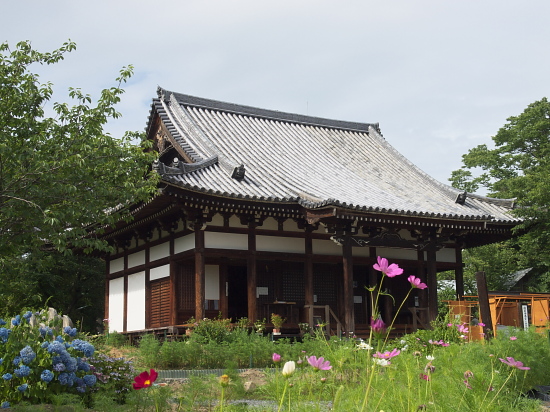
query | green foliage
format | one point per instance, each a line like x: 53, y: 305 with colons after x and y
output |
x: 61, y: 173
x: 518, y: 167
x: 36, y: 365
x: 74, y: 284
x: 114, y: 377
x: 212, y: 330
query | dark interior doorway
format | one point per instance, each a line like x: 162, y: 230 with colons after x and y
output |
x: 237, y: 296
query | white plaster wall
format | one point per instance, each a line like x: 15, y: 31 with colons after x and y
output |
x: 212, y: 282
x: 136, y: 302
x: 446, y: 255
x: 116, y: 305
x: 136, y: 259
x: 116, y: 265
x: 234, y: 221
x: 181, y: 244
x: 159, y: 272
x: 291, y: 226
x: 269, y: 224
x: 226, y: 241
x: 159, y: 251
x: 326, y: 247
x: 280, y: 244
x: 390, y: 253
x: 217, y: 220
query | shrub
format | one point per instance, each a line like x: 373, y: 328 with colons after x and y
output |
x: 114, y: 376
x: 39, y: 362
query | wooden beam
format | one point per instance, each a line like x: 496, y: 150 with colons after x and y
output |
x: 484, y: 308
x: 224, y: 308
x: 199, y: 271
x: 308, y: 267
x: 349, y: 315
x: 431, y: 281
x: 459, y: 273
x: 251, y: 273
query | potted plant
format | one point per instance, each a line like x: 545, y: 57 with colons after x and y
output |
x: 277, y: 321
x: 259, y: 326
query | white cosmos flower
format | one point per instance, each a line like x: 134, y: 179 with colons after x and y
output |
x: 430, y: 357
x: 381, y: 362
x: 364, y: 345
x: 288, y: 368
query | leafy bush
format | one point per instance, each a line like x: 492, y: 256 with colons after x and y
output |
x: 39, y: 362
x: 114, y: 376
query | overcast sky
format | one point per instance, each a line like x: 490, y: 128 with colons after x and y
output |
x: 439, y: 76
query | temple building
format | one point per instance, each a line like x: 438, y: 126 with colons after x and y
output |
x: 262, y: 212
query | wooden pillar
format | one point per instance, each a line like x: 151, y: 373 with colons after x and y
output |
x: 224, y: 308
x: 347, y: 260
x: 199, y: 271
x: 107, y: 284
x: 484, y: 308
x: 174, y: 270
x: 373, y: 283
x: 308, y: 268
x: 431, y: 280
x: 252, y: 272
x: 459, y: 272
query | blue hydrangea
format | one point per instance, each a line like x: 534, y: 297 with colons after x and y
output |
x: 63, y: 378
x: 4, y: 334
x: 28, y: 316
x: 17, y: 360
x: 56, y: 347
x: 89, y: 380
x: 70, y: 331
x: 22, y: 371
x: 82, y: 365
x: 16, y: 321
x: 71, y: 365
x: 59, y: 367
x: 5, y: 405
x: 2, y: 322
x: 22, y: 388
x: 59, y: 339
x: 7, y: 376
x: 85, y: 347
x: 46, y: 375
x: 1, y: 361
x: 81, y: 389
x: 45, y: 345
x: 27, y: 354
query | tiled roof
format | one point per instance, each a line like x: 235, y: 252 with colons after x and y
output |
x: 306, y: 160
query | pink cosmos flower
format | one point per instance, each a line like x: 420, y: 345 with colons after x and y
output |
x: 387, y: 354
x: 514, y: 363
x: 513, y: 338
x: 319, y: 364
x: 416, y: 282
x: 481, y: 324
x: 389, y: 270
x: 378, y: 325
x: 467, y: 384
x: 425, y: 377
x: 462, y: 328
x: 276, y: 357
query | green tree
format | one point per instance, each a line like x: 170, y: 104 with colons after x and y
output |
x: 517, y: 167
x: 59, y: 174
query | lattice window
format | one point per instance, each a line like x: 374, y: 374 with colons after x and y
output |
x: 160, y: 303
x: 186, y: 287
x: 293, y: 282
x: 324, y: 284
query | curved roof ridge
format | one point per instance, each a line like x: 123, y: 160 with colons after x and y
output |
x: 211, y: 104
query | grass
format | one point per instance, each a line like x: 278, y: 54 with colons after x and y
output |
x: 424, y: 376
